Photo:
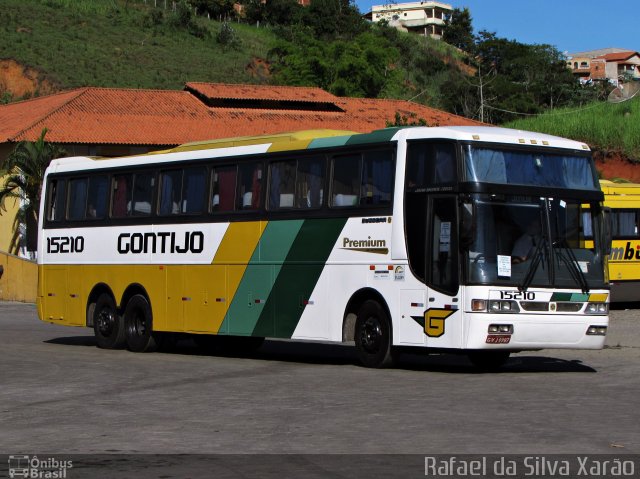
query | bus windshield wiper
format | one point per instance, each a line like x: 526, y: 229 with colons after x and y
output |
x: 571, y: 261
x: 533, y: 267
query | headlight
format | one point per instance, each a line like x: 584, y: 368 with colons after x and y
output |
x: 597, y: 308
x: 499, y: 306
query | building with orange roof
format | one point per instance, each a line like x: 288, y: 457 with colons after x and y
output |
x: 116, y: 122
x: 612, y: 64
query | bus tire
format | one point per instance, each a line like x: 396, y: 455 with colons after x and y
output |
x: 486, y: 360
x: 138, y: 325
x: 373, y: 336
x: 108, y: 325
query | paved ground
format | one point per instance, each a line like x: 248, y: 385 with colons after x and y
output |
x: 62, y: 395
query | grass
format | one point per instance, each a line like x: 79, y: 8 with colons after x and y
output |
x: 606, y: 126
x: 110, y: 43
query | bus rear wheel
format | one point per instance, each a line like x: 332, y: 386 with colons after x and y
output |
x: 488, y: 360
x: 138, y: 325
x: 373, y: 336
x: 108, y: 325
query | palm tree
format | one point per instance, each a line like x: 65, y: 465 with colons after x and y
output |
x: 22, y: 177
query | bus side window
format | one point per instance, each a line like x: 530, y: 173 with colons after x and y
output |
x: 430, y: 165
x: 77, y: 199
x: 249, y: 186
x: 142, y: 194
x: 309, y: 182
x: 193, y: 190
x: 377, y: 178
x: 282, y: 183
x: 121, y: 196
x: 223, y: 189
x: 624, y: 224
x: 345, y: 184
x: 55, y: 211
x: 97, y: 197
x: 170, y: 192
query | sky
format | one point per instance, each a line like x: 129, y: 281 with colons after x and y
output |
x: 571, y: 26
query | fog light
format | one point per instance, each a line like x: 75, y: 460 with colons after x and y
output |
x: 597, y: 330
x: 478, y: 305
x: 597, y: 308
x: 500, y: 329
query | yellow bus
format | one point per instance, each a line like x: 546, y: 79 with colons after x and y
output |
x: 623, y: 201
x: 466, y: 239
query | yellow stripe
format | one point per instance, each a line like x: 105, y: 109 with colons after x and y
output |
x: 598, y: 297
x: 292, y: 145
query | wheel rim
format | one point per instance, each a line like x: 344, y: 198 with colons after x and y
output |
x: 106, y: 321
x: 371, y: 335
x: 138, y: 324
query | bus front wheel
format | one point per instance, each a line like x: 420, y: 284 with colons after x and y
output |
x: 108, y: 325
x: 373, y: 336
x: 138, y: 325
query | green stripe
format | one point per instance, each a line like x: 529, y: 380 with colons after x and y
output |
x: 257, y: 281
x: 298, y: 277
x: 328, y: 142
x: 378, y: 136
x: 579, y: 297
x: 572, y: 297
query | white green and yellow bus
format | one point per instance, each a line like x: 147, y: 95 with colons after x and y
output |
x: 403, y: 237
x: 623, y: 202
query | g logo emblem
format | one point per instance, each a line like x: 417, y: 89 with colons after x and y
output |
x: 434, y: 321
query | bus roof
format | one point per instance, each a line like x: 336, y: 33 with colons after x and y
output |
x: 311, y: 139
x: 493, y: 135
x: 620, y: 189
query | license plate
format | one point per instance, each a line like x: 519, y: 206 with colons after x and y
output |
x: 498, y: 338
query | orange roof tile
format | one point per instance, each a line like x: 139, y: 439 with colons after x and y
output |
x: 165, y: 117
x: 20, y: 116
x: 618, y: 57
x: 261, y: 92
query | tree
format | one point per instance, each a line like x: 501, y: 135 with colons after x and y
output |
x: 22, y: 176
x: 411, y: 119
x: 458, y: 30
x: 333, y: 19
x: 362, y: 67
x: 511, y: 79
x: 218, y: 9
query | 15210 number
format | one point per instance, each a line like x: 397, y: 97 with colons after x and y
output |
x: 518, y: 295
x: 65, y: 244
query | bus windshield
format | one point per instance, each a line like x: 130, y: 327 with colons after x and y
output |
x: 526, y: 167
x: 532, y: 241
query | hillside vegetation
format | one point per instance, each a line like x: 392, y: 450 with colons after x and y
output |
x: 122, y: 44
x: 163, y: 44
x: 139, y: 45
x: 605, y: 126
